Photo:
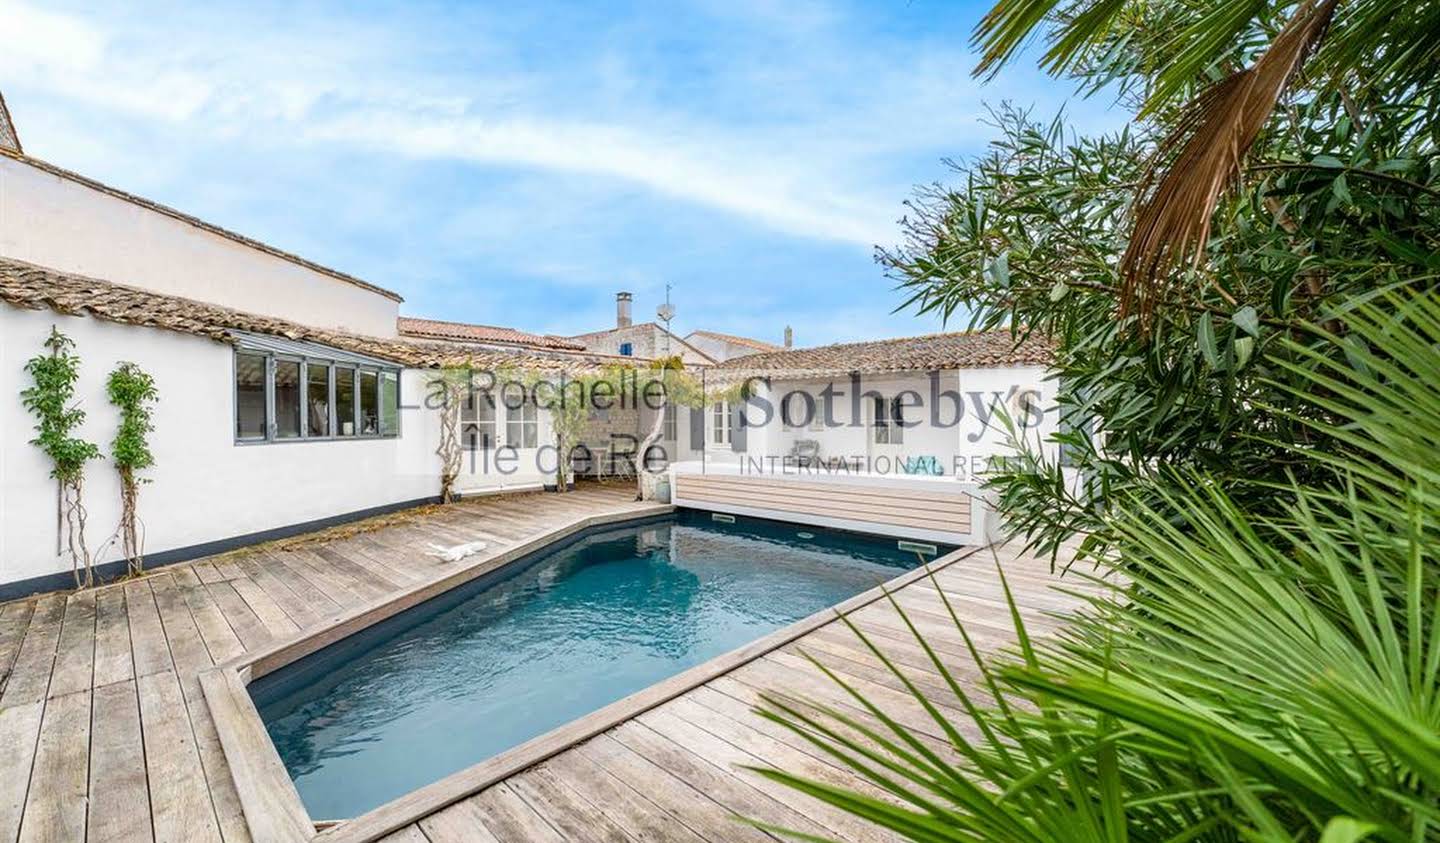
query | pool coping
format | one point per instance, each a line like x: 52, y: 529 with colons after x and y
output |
x: 272, y: 805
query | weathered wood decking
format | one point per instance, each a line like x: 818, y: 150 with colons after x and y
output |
x: 105, y: 733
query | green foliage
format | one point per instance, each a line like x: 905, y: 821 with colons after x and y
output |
x: 1270, y: 678
x: 132, y: 391
x: 1032, y: 240
x: 51, y: 399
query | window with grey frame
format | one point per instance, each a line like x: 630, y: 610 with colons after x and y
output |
x: 283, y: 398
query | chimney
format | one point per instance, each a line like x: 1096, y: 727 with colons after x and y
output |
x: 622, y: 310
x: 789, y: 337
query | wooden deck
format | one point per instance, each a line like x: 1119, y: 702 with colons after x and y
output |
x: 105, y: 734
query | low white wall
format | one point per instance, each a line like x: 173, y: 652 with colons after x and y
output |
x: 888, y: 516
x: 55, y: 222
x: 204, y: 486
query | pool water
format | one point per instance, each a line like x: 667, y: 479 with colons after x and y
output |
x: 576, y: 626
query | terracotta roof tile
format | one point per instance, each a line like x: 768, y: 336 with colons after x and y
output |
x: 963, y: 350
x: 463, y: 332
x: 758, y: 345
x: 31, y: 287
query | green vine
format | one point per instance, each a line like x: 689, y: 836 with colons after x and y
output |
x: 133, y: 392
x: 51, y: 399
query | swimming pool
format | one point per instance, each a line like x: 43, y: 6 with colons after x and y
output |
x: 549, y: 638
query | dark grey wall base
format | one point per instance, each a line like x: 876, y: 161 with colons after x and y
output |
x: 113, y: 570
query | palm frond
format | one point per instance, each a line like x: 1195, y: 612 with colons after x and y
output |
x: 1205, y: 152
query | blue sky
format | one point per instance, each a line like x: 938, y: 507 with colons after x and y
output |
x: 517, y: 163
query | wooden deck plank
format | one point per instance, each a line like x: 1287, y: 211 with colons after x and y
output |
x: 148, y: 647
x: 14, y: 620
x: 60, y: 780
x: 113, y: 659
x: 574, y: 817
x: 180, y: 805
x: 75, y: 652
x: 119, y: 793
x: 613, y: 798
x: 30, y: 676
x: 266, y: 589
x: 19, y: 735
x: 510, y: 817
x: 459, y: 823
x: 247, y: 626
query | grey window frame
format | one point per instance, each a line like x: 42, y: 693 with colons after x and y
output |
x: 305, y: 360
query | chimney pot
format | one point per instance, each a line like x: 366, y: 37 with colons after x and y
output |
x: 622, y: 310
x: 789, y: 337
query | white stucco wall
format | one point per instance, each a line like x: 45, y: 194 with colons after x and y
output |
x: 204, y: 486
x: 55, y: 222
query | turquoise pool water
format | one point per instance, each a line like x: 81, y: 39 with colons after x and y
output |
x: 548, y: 639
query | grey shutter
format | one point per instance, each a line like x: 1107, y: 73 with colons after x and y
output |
x: 737, y: 430
x: 697, y: 427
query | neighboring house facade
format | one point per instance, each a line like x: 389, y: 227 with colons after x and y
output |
x: 721, y: 347
x: 645, y: 340
x: 918, y: 405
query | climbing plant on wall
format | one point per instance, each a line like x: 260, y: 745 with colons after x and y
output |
x: 51, y: 398
x: 132, y: 391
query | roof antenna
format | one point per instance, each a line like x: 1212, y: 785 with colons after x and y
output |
x: 666, y: 312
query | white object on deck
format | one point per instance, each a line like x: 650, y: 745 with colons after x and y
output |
x: 458, y: 552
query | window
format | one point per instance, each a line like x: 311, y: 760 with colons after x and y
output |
x: 389, y: 403
x: 888, y: 421
x: 284, y: 395
x: 522, y: 420
x: 287, y: 399
x: 250, y: 421
x: 317, y: 399
x: 369, y: 403
x: 344, y: 401
x: 477, y: 419
x: 627, y: 349
x: 720, y: 423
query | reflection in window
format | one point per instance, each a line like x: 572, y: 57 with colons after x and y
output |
x: 287, y: 399
x: 345, y: 401
x: 369, y: 404
x: 317, y: 399
x: 249, y: 396
x: 389, y: 403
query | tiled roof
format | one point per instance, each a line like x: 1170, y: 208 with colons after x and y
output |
x: 932, y: 352
x: 63, y: 173
x: 31, y: 287
x: 758, y: 345
x: 462, y: 332
x: 9, y: 139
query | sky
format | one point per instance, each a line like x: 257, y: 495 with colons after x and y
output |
x: 518, y: 163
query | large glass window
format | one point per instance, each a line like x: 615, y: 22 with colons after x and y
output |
x: 250, y: 421
x: 345, y: 401
x: 389, y: 403
x: 317, y: 399
x: 287, y: 399
x: 369, y: 403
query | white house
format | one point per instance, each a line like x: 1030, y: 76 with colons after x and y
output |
x: 721, y: 347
